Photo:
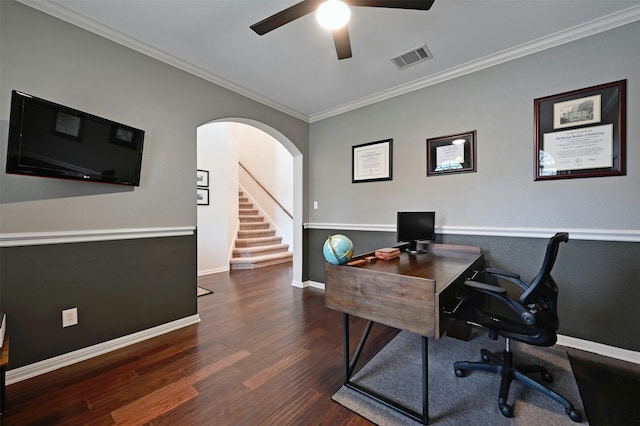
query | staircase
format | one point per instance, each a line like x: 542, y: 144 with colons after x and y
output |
x: 256, y: 244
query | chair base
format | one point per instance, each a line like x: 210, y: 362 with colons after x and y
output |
x: 509, y: 372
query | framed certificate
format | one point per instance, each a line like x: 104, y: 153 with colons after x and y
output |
x: 451, y: 154
x: 581, y: 133
x: 372, y: 161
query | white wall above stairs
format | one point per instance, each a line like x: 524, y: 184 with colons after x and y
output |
x: 221, y: 145
x: 217, y: 222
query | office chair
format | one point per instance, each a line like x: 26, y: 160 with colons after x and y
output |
x: 530, y: 318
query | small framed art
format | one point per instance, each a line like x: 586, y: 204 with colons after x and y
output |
x: 451, y: 154
x: 202, y: 196
x: 202, y: 178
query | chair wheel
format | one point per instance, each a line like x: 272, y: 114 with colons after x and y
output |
x: 506, y: 410
x: 460, y: 372
x: 547, y: 377
x: 574, y: 414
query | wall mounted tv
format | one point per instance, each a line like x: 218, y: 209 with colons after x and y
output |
x: 51, y: 140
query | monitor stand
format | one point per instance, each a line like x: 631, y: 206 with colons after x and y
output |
x: 413, y: 248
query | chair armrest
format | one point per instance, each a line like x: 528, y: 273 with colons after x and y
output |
x: 509, y: 276
x: 500, y: 293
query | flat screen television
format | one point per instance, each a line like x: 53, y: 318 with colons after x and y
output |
x: 413, y: 227
x: 51, y: 140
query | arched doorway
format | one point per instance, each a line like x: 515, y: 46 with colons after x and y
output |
x: 218, y: 151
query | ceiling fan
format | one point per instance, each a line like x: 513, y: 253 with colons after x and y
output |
x: 340, y: 35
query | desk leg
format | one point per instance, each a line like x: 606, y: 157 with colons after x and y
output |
x: 425, y: 381
x: 345, y: 325
x: 349, y: 367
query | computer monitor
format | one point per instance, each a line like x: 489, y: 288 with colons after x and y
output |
x: 413, y: 227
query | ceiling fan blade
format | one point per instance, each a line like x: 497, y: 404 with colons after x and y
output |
x: 342, y: 42
x: 395, y: 4
x: 285, y: 16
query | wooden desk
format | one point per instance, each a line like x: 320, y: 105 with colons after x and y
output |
x: 411, y: 292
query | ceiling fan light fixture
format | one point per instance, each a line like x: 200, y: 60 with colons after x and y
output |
x: 333, y: 14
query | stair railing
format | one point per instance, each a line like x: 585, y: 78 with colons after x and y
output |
x: 266, y: 191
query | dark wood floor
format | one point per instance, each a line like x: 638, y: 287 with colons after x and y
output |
x: 265, y: 353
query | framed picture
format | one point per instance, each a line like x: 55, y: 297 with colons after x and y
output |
x: 581, y: 133
x: 372, y: 161
x: 202, y: 196
x: 202, y: 178
x: 451, y: 154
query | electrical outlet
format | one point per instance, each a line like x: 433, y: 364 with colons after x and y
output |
x: 69, y: 317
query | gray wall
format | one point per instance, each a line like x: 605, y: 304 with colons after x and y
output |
x: 119, y: 288
x: 498, y: 103
x: 599, y: 279
x: 48, y: 58
x: 54, y: 60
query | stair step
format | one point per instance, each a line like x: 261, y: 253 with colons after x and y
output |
x: 251, y: 218
x: 260, y: 250
x: 248, y: 226
x: 261, y: 261
x: 256, y: 233
x: 254, y: 242
x: 256, y: 245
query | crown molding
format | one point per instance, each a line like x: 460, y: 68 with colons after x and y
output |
x: 596, y: 26
x: 116, y: 36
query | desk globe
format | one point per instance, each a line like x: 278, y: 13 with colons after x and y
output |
x: 337, y: 249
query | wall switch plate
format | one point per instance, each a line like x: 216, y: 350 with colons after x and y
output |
x: 69, y: 317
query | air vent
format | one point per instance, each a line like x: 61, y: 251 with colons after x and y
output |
x: 412, y: 57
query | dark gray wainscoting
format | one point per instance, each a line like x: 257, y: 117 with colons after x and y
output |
x: 119, y: 287
x: 599, y: 280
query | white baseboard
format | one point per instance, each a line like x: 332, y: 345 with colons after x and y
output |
x: 314, y: 284
x: 599, y: 348
x: 213, y: 271
x: 47, y: 365
x: 298, y: 284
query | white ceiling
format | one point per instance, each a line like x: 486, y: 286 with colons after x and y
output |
x: 295, y: 69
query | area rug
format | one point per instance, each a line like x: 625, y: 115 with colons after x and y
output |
x: 203, y: 291
x: 395, y: 373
